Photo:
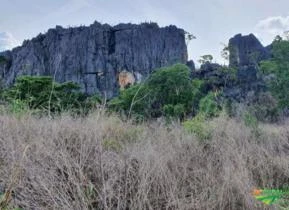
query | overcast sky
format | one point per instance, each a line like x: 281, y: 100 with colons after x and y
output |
x: 213, y: 22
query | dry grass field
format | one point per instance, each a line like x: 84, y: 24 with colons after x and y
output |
x: 101, y: 162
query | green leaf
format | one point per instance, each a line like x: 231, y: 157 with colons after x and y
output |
x: 270, y: 196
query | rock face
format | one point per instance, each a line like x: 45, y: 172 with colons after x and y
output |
x: 246, y: 50
x: 191, y: 65
x: 94, y: 56
x: 212, y: 73
x: 240, y: 80
x: 125, y: 79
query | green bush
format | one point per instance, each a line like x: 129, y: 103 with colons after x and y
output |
x: 209, y: 106
x: 252, y: 122
x: 175, y: 111
x: 17, y: 107
x: 179, y: 110
x: 265, y: 108
x: 230, y: 74
x: 133, y: 100
x: 198, y: 92
x: 168, y: 110
x: 228, y: 107
x: 168, y: 91
x: 171, y: 85
x: 199, y: 127
x: 279, y: 67
x: 42, y: 93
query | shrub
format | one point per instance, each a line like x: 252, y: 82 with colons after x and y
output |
x: 209, y: 106
x: 168, y: 91
x: 199, y: 127
x: 133, y: 100
x: 41, y: 92
x: 18, y: 107
x: 265, y: 108
x: 171, y: 85
x: 230, y: 75
x: 198, y: 92
x: 175, y: 111
x: 168, y: 110
x: 279, y: 66
x: 228, y: 107
x: 179, y: 110
x: 252, y: 122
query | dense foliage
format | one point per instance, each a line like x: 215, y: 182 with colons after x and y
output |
x: 42, y: 93
x: 167, y: 92
x: 278, y: 69
x: 209, y: 106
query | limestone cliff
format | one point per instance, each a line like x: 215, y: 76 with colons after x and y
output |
x: 94, y: 56
x: 242, y: 79
x: 246, y: 50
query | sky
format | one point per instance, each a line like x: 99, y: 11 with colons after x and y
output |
x: 213, y: 22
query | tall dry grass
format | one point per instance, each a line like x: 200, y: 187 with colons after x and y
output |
x: 101, y: 162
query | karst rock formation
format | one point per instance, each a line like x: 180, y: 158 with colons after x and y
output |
x: 94, y: 56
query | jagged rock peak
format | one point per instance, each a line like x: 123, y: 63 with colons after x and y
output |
x: 93, y: 56
x: 246, y: 50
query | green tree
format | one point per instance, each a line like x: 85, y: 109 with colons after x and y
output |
x: 198, y: 92
x: 206, y: 59
x: 41, y: 92
x: 171, y: 85
x: 225, y: 53
x: 168, y: 91
x: 209, y: 106
x: 278, y: 66
x: 133, y: 100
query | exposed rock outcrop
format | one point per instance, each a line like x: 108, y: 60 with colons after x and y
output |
x: 191, y: 65
x: 246, y: 50
x: 94, y: 56
x: 241, y: 78
x: 213, y: 74
x: 125, y: 79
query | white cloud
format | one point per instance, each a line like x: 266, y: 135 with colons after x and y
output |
x: 7, y: 41
x: 272, y: 26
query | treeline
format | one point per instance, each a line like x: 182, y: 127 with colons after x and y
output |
x: 43, y: 95
x: 168, y: 92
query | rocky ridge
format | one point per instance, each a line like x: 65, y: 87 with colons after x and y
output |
x: 103, y: 58
x: 241, y: 78
x: 94, y: 56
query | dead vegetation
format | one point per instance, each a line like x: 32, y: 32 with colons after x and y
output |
x: 101, y: 162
